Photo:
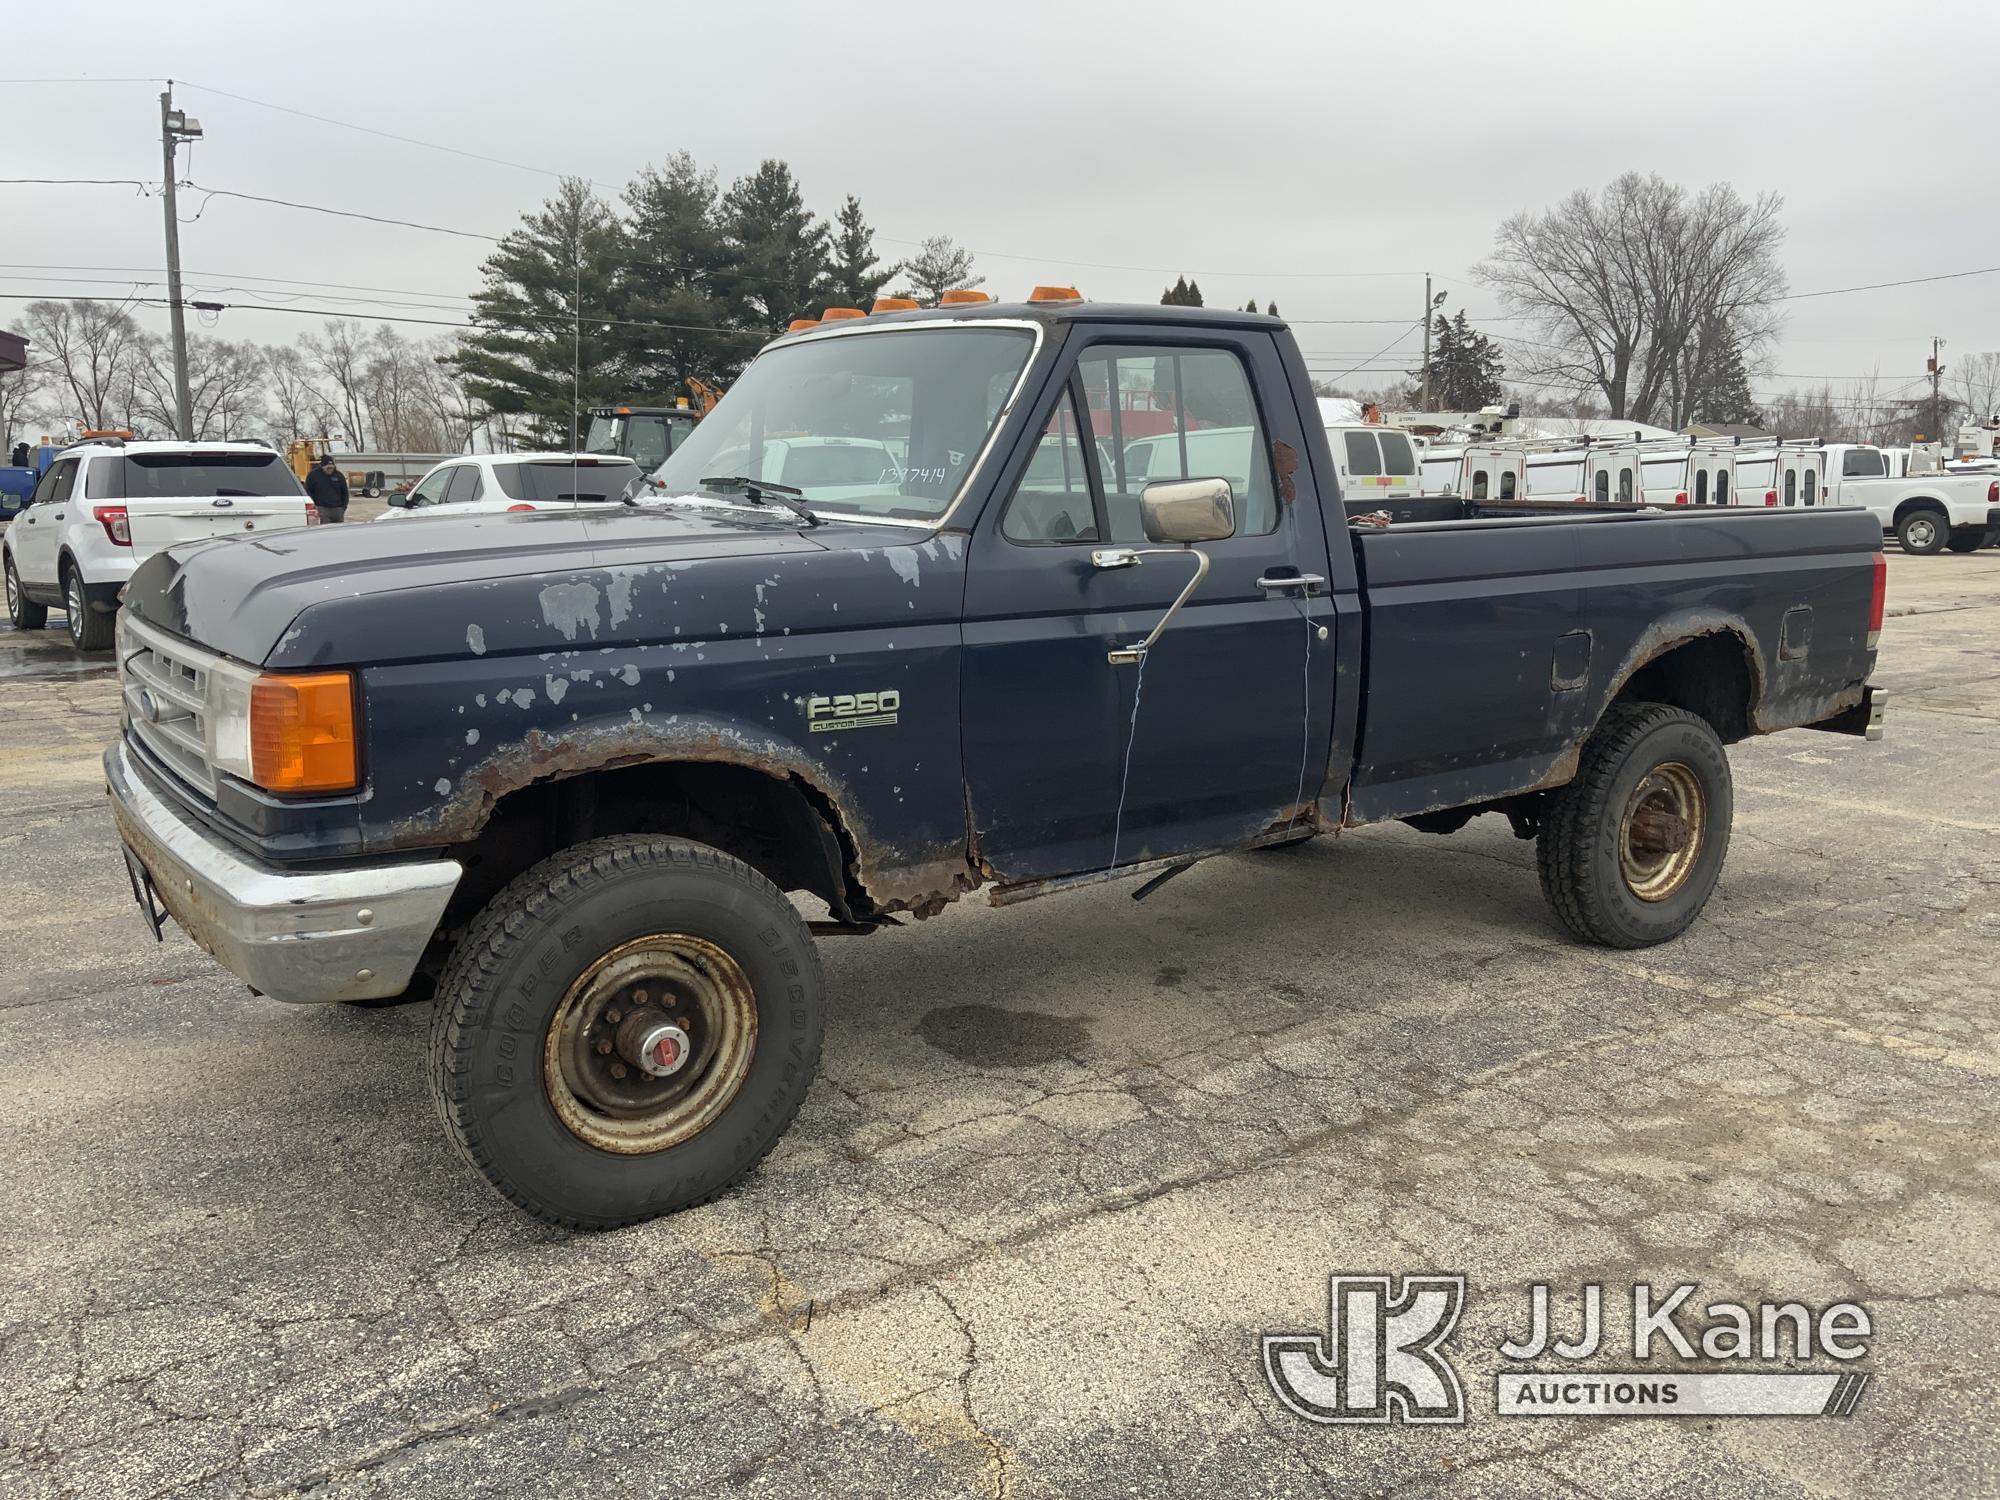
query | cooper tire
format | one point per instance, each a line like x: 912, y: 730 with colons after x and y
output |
x: 1647, y: 765
x: 25, y: 614
x: 1923, y: 531
x: 505, y: 1035
x: 88, y: 630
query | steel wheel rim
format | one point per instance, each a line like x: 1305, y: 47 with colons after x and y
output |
x: 1653, y: 864
x: 1923, y: 532
x: 677, y: 978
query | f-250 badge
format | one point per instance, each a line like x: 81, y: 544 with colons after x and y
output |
x: 853, y: 710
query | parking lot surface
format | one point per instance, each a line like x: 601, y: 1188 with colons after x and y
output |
x: 1065, y: 1163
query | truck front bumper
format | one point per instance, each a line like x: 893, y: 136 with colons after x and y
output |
x: 354, y: 933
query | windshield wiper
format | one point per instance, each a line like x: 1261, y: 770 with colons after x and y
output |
x: 763, y: 492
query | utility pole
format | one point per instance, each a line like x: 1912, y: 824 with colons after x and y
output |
x: 1937, y: 400
x: 1424, y: 391
x: 176, y: 127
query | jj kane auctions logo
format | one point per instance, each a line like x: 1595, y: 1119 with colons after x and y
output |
x: 1383, y: 1356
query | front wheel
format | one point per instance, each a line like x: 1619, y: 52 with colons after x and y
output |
x: 1923, y: 532
x: 24, y: 614
x: 626, y: 1030
x: 88, y: 630
x: 1630, y: 850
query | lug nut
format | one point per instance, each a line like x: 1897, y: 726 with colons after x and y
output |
x: 604, y: 1049
x: 618, y: 1070
x: 614, y: 1015
x: 638, y: 997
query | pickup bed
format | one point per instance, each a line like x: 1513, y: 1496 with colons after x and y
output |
x: 1080, y: 602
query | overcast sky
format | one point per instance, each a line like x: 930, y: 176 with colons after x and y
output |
x: 1322, y: 155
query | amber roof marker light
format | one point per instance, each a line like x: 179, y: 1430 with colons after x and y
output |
x: 895, y: 304
x: 962, y: 297
x: 1055, y: 294
x: 841, y: 314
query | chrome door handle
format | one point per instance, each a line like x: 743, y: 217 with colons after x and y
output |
x: 1306, y: 581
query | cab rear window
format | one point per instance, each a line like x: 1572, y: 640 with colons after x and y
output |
x: 188, y: 476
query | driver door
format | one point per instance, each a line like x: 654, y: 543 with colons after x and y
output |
x: 1077, y: 764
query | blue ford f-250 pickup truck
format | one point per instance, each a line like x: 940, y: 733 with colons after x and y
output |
x: 1009, y: 597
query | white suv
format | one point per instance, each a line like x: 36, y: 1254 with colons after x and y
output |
x: 106, y: 506
x: 485, y: 483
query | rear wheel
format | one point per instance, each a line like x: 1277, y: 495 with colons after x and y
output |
x: 25, y: 614
x: 1632, y: 848
x: 1967, y: 539
x: 88, y: 630
x: 626, y: 1030
x: 1923, y: 531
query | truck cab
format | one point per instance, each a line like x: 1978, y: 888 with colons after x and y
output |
x: 645, y: 434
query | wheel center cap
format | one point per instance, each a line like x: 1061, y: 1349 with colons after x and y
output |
x: 663, y: 1050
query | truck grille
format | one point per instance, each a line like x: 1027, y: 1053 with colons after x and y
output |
x: 164, y: 681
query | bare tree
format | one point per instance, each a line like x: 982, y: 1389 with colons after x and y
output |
x: 298, y: 407
x: 338, y: 355
x: 21, y: 393
x: 1975, y: 384
x: 942, y: 265
x: 442, y: 391
x: 1621, y: 285
x: 95, y: 349
x: 226, y: 383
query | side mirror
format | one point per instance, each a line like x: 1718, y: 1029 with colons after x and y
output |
x: 1188, y: 511
x: 399, y: 499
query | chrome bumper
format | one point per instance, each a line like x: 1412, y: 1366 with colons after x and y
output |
x: 348, y: 934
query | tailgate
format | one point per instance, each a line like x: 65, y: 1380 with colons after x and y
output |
x: 157, y: 524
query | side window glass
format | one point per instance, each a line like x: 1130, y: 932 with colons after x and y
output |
x: 1479, y: 484
x: 45, y: 487
x: 459, y: 487
x: 1701, y: 486
x: 1363, y: 457
x: 65, y: 473
x: 1193, y: 413
x: 431, y: 491
x: 1053, y: 503
x: 1507, y: 485
x: 1398, y: 457
x: 1791, y: 486
x: 1601, y: 486
x: 1812, y: 486
x: 1624, y: 485
x: 1721, y: 486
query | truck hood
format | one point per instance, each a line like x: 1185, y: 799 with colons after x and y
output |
x: 362, y: 592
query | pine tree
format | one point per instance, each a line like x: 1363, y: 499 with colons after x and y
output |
x: 675, y: 281
x: 1271, y: 308
x: 855, y: 275
x: 1251, y: 305
x: 1466, y: 366
x: 781, y: 269
x: 941, y: 265
x: 1721, y: 390
x: 539, y: 349
x: 1177, y: 294
x: 1194, y: 293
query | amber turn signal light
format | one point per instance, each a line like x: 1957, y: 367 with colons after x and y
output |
x: 302, y: 732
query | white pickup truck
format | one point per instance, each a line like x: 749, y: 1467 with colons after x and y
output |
x: 1924, y: 512
x: 105, y: 506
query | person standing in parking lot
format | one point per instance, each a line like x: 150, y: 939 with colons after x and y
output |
x: 326, y: 487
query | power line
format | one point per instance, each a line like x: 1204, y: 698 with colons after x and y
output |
x: 75, y: 182
x: 1876, y: 286
x: 341, y: 213
x: 387, y: 135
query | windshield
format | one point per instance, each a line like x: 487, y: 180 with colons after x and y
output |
x: 645, y: 438
x: 190, y: 476
x: 884, y: 424
x: 550, y: 481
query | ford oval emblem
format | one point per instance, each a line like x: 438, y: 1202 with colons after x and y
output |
x: 148, y: 706
x: 223, y: 502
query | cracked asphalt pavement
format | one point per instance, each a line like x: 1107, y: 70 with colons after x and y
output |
x: 1064, y: 1164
